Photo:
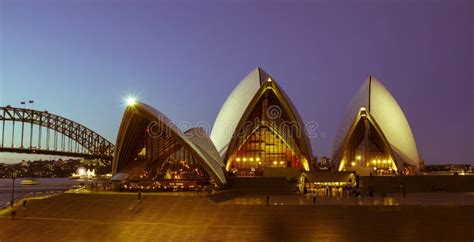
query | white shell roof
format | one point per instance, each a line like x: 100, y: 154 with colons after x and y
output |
x: 199, y: 137
x: 201, y: 147
x: 387, y: 114
x: 233, y: 109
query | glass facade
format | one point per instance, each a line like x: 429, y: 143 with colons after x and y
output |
x: 366, y: 148
x: 162, y: 163
x: 266, y: 139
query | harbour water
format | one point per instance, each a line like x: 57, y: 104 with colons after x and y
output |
x: 45, y: 185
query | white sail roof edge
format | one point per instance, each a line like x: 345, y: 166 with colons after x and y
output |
x: 232, y: 110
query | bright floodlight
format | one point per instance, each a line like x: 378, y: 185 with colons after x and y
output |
x: 131, y: 101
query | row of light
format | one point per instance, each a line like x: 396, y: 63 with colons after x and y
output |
x: 373, y: 161
x: 258, y: 160
x: 245, y: 159
x: 381, y: 161
x: 276, y: 163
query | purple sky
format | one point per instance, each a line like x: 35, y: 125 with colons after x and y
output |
x: 80, y: 58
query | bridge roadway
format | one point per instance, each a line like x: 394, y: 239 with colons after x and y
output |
x: 54, y: 152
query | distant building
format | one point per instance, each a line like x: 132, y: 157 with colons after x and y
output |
x: 325, y: 161
x: 449, y: 169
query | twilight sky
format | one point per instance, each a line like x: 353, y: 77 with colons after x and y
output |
x: 79, y: 59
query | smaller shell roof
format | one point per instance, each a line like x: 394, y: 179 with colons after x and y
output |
x: 199, y: 137
x: 193, y: 141
x: 388, y: 115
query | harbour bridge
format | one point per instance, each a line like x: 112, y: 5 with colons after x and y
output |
x: 31, y: 131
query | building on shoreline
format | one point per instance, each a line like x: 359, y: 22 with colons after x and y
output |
x: 259, y: 133
x: 375, y: 137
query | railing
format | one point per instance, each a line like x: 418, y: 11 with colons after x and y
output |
x: 31, y: 195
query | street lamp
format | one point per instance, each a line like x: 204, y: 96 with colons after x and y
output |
x: 13, y: 187
x: 131, y: 101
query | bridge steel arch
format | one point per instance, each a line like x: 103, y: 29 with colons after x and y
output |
x: 88, y: 144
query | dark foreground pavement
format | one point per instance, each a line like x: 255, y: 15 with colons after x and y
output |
x: 120, y: 217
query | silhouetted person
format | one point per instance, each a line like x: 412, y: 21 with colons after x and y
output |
x: 371, y: 192
x: 13, y: 214
x: 404, y: 189
x: 314, y: 197
x: 268, y: 200
x: 24, y: 203
x: 139, y: 195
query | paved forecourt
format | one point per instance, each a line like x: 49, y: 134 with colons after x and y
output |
x: 121, y: 217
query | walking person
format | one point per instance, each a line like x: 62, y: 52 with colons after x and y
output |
x: 268, y: 200
x: 314, y: 197
x: 139, y: 195
x: 24, y: 204
x: 13, y: 214
x: 404, y: 189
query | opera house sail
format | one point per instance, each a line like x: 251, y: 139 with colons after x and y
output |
x: 153, y: 154
x: 258, y: 129
x: 374, y: 137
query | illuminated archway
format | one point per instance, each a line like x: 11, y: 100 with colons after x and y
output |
x: 266, y: 130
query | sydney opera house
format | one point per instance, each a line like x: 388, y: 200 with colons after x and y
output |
x: 258, y: 132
